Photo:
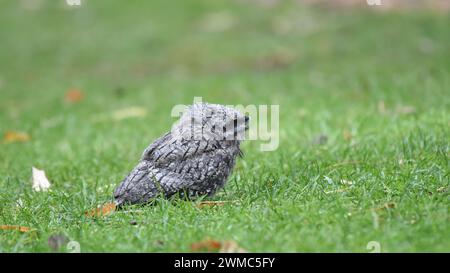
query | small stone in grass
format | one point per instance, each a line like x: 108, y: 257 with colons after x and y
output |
x: 206, y: 245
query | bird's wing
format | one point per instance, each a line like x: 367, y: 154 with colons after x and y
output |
x: 201, y: 174
x: 167, y: 151
x: 149, y: 152
x: 169, y: 166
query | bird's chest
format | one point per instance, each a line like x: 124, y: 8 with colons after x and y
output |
x: 209, y: 173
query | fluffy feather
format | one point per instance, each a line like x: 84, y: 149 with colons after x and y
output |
x: 195, y: 158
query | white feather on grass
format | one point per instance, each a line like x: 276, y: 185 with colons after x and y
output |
x: 40, y: 181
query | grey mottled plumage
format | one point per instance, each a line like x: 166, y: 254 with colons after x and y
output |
x: 195, y: 158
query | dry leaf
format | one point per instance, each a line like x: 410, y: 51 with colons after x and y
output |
x: 321, y: 139
x: 19, y: 228
x: 104, y: 210
x: 74, y: 95
x: 210, y: 204
x: 40, y: 181
x: 231, y: 247
x: 218, y: 22
x: 206, y: 245
x: 12, y: 136
x: 131, y: 112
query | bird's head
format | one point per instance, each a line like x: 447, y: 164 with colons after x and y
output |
x: 204, y: 121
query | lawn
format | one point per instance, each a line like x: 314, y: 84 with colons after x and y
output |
x: 364, y: 123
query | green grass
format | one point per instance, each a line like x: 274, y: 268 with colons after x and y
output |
x: 328, y: 70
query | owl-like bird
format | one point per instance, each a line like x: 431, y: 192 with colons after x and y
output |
x: 194, y: 159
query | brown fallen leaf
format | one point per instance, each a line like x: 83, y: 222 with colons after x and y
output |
x: 12, y: 136
x: 104, y: 210
x: 231, y: 247
x: 320, y: 139
x: 74, y: 95
x: 206, y: 245
x: 347, y: 135
x: 14, y: 227
x: 210, y: 204
x: 386, y: 206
